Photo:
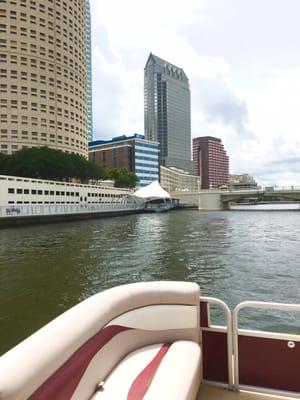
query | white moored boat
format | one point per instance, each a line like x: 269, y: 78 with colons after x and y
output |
x: 28, y: 200
x: 152, y: 341
x: 266, y: 206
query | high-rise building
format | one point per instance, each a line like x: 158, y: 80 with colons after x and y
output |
x: 89, y: 71
x: 131, y: 152
x: 167, y: 112
x: 211, y: 162
x: 43, y: 75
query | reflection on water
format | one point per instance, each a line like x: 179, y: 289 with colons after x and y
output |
x: 234, y: 256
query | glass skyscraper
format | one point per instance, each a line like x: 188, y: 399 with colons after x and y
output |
x: 89, y: 69
x: 167, y: 112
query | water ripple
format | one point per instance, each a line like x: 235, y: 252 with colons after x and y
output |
x: 234, y: 256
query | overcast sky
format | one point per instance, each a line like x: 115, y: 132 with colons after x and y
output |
x: 242, y: 58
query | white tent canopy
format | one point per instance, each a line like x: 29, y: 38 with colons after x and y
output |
x: 152, y: 191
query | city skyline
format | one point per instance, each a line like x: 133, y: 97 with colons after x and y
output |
x: 244, y: 81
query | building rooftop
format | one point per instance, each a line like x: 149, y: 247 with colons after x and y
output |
x: 207, y: 138
x: 117, y: 139
x: 153, y: 59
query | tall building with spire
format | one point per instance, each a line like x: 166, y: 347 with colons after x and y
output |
x: 167, y: 112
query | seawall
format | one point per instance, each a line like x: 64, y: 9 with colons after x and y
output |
x: 17, y: 221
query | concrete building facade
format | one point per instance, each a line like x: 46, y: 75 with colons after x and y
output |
x: 211, y: 162
x: 167, y: 112
x: 133, y: 153
x: 242, y: 181
x: 43, y: 75
x: 173, y: 179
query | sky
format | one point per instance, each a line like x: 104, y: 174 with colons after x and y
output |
x: 242, y: 58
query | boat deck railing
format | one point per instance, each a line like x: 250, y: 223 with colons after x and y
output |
x: 252, y: 360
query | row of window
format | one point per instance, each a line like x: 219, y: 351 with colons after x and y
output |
x: 46, y: 53
x: 17, y: 134
x: 43, y: 202
x: 39, y: 48
x: 25, y: 134
x: 78, y: 68
x: 146, y: 172
x: 146, y: 145
x: 34, y: 120
x: 60, y: 193
x: 37, y: 6
x: 34, y: 106
x: 140, y: 158
x: 44, y: 91
x: 153, y: 165
x: 73, y: 20
x: 146, y: 167
x: 22, y: 125
x: 40, y: 21
x: 44, y: 79
x: 35, y: 33
x: 41, y: 192
x: 140, y: 152
x: 57, y: 202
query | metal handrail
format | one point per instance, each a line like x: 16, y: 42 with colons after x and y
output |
x: 226, y: 309
x: 235, y: 328
x: 57, y: 209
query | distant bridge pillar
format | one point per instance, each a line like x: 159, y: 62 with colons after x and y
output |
x: 210, y: 200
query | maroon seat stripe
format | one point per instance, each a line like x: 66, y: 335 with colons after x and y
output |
x: 62, y: 384
x: 142, y: 382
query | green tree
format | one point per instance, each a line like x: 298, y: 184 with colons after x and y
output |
x: 123, y: 177
x: 3, y: 163
x: 46, y: 163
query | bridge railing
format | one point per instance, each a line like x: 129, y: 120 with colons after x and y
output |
x: 260, y: 189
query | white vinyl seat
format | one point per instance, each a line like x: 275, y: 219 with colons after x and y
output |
x: 142, y: 340
x: 143, y: 374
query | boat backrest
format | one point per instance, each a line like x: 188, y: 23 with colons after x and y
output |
x: 66, y: 359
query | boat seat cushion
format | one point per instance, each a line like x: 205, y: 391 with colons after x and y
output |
x: 161, y: 371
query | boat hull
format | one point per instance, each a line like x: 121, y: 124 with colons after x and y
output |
x: 266, y: 207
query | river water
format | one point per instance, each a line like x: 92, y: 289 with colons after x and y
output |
x: 234, y: 256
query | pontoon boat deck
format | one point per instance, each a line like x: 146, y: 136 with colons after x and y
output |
x: 152, y: 341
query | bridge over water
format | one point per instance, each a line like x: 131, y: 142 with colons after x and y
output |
x: 219, y: 199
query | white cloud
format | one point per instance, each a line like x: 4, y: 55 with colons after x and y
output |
x: 252, y: 108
